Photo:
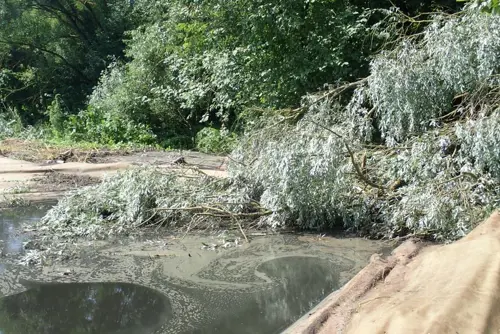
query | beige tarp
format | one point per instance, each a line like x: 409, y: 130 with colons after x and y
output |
x: 436, y: 289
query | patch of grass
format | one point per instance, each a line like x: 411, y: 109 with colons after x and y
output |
x: 211, y: 140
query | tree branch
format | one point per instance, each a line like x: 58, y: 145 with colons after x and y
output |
x: 358, y: 170
x: 55, y: 54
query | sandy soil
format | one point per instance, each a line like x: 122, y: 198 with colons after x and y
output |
x: 22, y: 180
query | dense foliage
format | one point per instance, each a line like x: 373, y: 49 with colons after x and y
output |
x: 423, y: 130
x: 55, y: 47
x: 207, y: 62
x: 111, y: 71
x: 414, y: 151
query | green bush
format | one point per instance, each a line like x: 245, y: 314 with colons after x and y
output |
x: 57, y: 114
x: 411, y: 87
x: 437, y: 177
x: 56, y: 46
x: 210, y: 140
x: 94, y: 126
x: 6, y: 128
x: 206, y: 62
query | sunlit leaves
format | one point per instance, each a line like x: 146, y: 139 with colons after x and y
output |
x: 206, y: 61
x: 415, y: 84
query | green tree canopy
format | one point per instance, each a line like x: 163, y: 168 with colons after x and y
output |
x: 56, y: 47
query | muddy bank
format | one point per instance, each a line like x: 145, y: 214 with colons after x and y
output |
x: 333, y: 314
x: 420, y: 289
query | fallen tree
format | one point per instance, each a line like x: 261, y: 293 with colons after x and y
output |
x: 415, y: 151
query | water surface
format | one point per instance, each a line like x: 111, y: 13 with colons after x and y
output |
x: 296, y: 285
x: 66, y: 308
x: 261, y: 287
x: 11, y: 240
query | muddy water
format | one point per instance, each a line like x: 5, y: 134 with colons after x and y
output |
x: 84, y: 308
x: 296, y: 284
x: 11, y: 241
x: 170, y: 284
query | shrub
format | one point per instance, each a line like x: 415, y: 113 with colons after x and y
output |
x: 210, y: 140
x: 412, y: 86
x: 6, y: 128
x: 131, y: 198
x: 208, y: 61
x: 96, y: 126
x: 57, y: 114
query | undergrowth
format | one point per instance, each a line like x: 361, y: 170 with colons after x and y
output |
x: 211, y: 140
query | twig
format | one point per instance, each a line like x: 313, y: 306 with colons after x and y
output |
x: 160, y: 224
x: 238, y: 215
x: 189, y: 228
x: 241, y: 230
x: 147, y: 220
x: 195, y: 169
x: 221, y: 213
x: 474, y: 177
x: 236, y: 161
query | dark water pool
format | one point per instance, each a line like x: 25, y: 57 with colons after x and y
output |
x: 84, y: 308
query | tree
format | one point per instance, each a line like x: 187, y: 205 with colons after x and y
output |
x: 56, y: 47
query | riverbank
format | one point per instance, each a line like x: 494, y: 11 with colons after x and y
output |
x: 179, y: 265
x: 419, y: 289
x: 48, y: 177
x: 367, y: 283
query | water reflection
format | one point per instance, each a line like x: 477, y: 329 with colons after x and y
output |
x: 293, y: 287
x: 299, y: 284
x: 11, y: 241
x: 84, y: 308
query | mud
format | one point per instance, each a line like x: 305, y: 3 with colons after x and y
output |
x: 262, y: 286
x: 39, y: 151
x: 53, y: 181
x: 22, y: 182
x: 166, y: 158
